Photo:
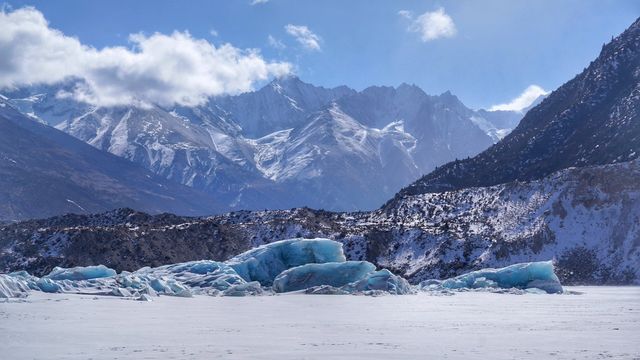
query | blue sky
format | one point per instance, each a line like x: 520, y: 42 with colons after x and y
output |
x: 492, y: 51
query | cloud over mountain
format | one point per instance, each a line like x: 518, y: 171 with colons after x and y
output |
x: 523, y: 101
x: 159, y: 68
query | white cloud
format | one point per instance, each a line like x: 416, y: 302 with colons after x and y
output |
x: 304, y: 36
x: 256, y: 2
x: 275, y: 43
x: 431, y: 25
x: 406, y: 14
x: 213, y: 32
x: 523, y: 101
x: 163, y: 69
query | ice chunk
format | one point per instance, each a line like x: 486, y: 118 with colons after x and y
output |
x: 81, y: 273
x: 250, y: 288
x: 335, y: 274
x: 264, y: 263
x: 382, y: 280
x: 170, y: 287
x: 121, y: 292
x: 148, y: 290
x: 30, y: 280
x: 538, y: 275
x: 13, y: 287
x: 47, y: 285
x: 129, y: 280
x: 144, y: 297
x: 205, y: 274
x: 326, y: 290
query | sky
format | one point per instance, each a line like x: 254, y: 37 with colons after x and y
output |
x: 491, y: 54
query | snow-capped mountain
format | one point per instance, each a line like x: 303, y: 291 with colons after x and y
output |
x: 282, y: 104
x: 288, y: 144
x: 592, y: 119
x: 44, y: 172
x: 585, y: 219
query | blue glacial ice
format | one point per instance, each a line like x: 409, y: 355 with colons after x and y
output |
x: 534, y: 275
x: 374, y: 283
x: 246, y: 289
x: 13, y: 287
x: 49, y: 286
x: 334, y: 274
x: 381, y: 281
x: 314, y: 266
x: 264, y: 263
x: 203, y: 274
x: 81, y: 273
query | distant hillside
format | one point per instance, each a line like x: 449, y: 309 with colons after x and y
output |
x: 45, y: 172
x: 593, y: 119
x: 585, y: 219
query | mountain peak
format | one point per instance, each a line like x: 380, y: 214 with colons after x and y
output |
x: 287, y: 79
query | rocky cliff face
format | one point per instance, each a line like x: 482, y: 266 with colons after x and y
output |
x: 585, y: 219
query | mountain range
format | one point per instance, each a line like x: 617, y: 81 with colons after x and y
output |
x: 564, y: 185
x: 285, y: 145
x: 45, y: 172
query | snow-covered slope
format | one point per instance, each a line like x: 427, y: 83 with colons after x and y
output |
x: 593, y: 119
x: 342, y: 163
x: 288, y: 144
x: 282, y: 104
x: 585, y: 219
x: 45, y: 172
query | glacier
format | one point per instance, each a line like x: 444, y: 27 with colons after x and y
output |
x: 311, y: 266
x: 534, y: 275
x: 265, y: 262
x: 12, y: 287
x: 81, y: 273
x: 333, y: 274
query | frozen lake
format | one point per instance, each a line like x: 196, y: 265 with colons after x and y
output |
x: 602, y: 322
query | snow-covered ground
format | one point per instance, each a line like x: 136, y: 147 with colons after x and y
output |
x: 602, y: 322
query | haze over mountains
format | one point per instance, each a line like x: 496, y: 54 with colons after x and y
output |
x: 288, y: 144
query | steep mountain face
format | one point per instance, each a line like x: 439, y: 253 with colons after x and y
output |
x: 586, y: 219
x: 335, y: 155
x: 45, y: 172
x: 443, y: 128
x: 204, y: 155
x: 282, y: 104
x: 592, y: 119
x: 288, y: 144
x: 44, y: 104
